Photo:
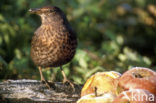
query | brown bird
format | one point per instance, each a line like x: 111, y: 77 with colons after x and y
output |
x: 54, y: 42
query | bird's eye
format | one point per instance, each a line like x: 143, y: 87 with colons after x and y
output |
x: 51, y: 10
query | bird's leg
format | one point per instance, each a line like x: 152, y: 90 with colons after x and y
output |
x: 42, y: 78
x: 65, y: 80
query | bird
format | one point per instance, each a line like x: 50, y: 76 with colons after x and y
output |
x: 54, y: 42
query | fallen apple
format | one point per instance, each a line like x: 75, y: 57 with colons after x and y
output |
x: 93, y: 98
x: 135, y: 96
x: 138, y: 78
x: 103, y: 81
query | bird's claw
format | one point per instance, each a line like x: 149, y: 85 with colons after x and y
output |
x: 66, y: 81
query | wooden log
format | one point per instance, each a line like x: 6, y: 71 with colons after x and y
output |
x: 34, y: 91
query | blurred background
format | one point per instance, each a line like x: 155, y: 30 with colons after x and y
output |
x: 112, y: 35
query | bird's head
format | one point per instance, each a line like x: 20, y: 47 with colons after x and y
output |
x: 44, y: 10
x: 49, y: 14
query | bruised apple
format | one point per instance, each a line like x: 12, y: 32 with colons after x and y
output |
x: 135, y: 96
x: 138, y: 78
x: 103, y: 81
x: 93, y: 98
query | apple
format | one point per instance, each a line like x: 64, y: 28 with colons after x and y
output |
x: 138, y: 78
x: 135, y: 96
x: 93, y: 98
x: 103, y: 81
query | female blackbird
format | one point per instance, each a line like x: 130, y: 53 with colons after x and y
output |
x: 54, y: 42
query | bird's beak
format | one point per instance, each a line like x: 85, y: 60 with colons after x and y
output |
x: 35, y: 10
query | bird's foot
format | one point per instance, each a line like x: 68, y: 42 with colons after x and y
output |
x: 68, y: 82
x: 46, y: 83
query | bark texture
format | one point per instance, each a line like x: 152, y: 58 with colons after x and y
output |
x: 34, y: 91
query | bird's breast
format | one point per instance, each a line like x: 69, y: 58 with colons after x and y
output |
x: 52, y: 46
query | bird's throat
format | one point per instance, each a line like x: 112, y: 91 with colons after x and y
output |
x: 45, y: 19
x: 51, y: 19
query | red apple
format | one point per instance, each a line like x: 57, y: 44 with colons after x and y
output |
x: 135, y: 96
x: 138, y: 78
